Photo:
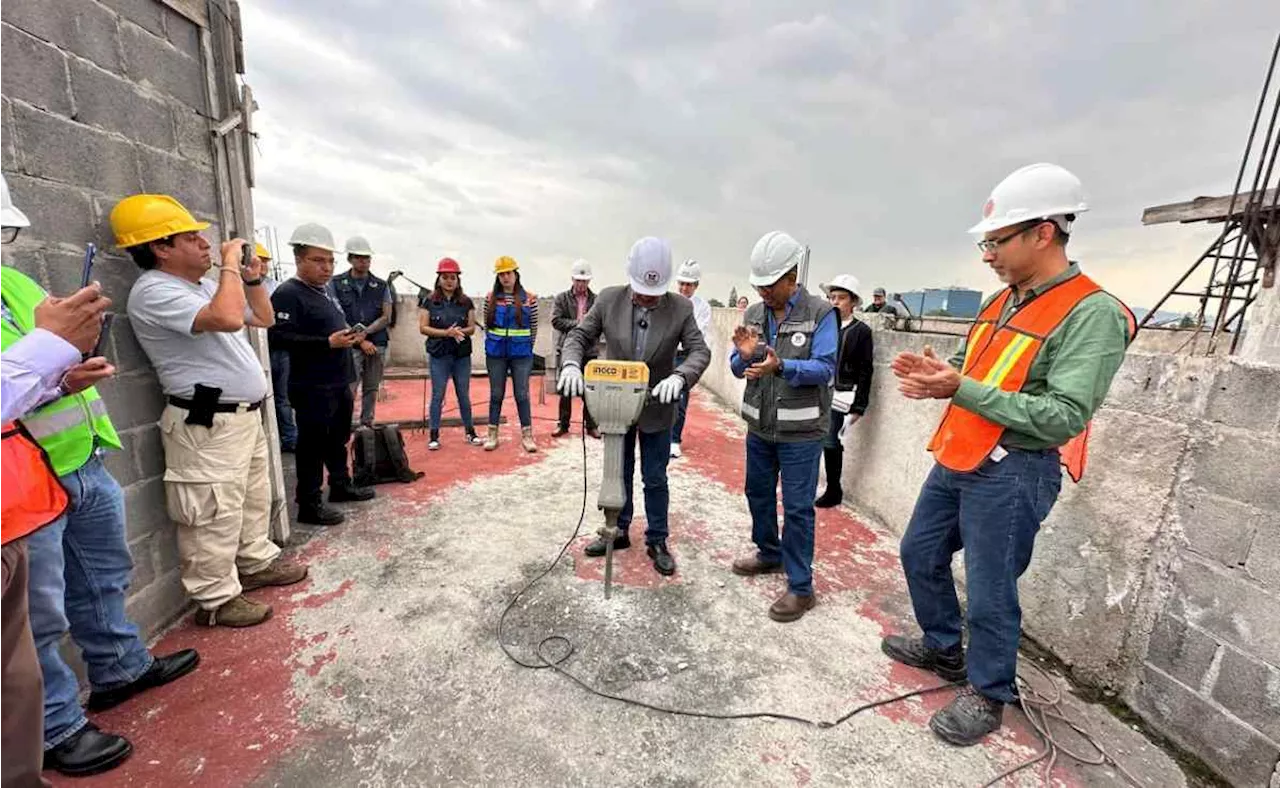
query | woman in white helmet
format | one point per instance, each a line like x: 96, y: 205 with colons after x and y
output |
x: 854, y: 362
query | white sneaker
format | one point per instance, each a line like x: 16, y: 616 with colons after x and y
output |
x: 433, y: 446
x: 675, y: 450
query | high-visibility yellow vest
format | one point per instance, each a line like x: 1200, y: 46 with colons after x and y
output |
x: 67, y: 428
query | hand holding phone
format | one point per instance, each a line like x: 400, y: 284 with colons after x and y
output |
x: 358, y: 328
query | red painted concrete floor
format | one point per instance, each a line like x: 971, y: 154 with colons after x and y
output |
x: 238, y: 718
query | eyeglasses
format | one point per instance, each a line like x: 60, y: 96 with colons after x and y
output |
x: 10, y: 234
x: 989, y: 245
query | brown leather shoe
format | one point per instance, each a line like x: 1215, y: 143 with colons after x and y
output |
x: 279, y: 573
x: 748, y: 567
x: 790, y: 607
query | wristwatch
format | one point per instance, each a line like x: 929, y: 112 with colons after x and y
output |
x: 252, y: 282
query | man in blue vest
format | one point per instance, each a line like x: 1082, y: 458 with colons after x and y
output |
x: 366, y: 300
x: 786, y: 349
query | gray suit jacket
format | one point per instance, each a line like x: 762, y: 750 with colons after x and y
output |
x: 671, y: 323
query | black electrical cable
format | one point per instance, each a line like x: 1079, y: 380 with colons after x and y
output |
x: 567, y: 650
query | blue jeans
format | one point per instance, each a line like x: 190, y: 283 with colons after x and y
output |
x: 519, y: 369
x: 80, y: 567
x: 457, y: 369
x: 798, y: 465
x: 832, y: 441
x: 655, y: 453
x: 280, y: 385
x: 682, y: 408
x: 993, y: 513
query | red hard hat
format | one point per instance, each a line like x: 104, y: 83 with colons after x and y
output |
x: 448, y: 265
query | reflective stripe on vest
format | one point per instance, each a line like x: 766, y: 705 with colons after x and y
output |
x: 33, y: 496
x: 69, y: 427
x: 1002, y: 356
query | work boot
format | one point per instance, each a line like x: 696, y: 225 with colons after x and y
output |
x: 162, y: 671
x: 968, y: 718
x: 319, y: 514
x: 279, y: 573
x: 526, y: 440
x: 491, y: 442
x: 347, y: 491
x: 239, y: 612
x: 597, y: 548
x: 748, y: 567
x: 662, y: 560
x: 88, y: 751
x: 561, y: 429
x: 833, y: 495
x: 912, y: 651
x: 790, y: 607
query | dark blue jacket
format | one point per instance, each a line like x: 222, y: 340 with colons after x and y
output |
x: 362, y: 306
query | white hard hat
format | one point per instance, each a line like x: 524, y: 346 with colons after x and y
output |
x: 10, y: 216
x: 358, y: 244
x: 312, y: 234
x: 689, y: 271
x: 844, y: 282
x: 1037, y: 191
x: 774, y: 255
x: 649, y: 266
x: 580, y: 270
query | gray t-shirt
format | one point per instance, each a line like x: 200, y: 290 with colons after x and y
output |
x: 162, y: 308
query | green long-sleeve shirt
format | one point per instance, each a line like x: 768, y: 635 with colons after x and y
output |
x: 1067, y: 381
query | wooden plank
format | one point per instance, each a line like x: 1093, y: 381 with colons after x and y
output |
x: 195, y: 10
x: 1202, y: 209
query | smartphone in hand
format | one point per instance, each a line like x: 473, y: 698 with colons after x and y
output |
x: 357, y: 328
x: 86, y: 276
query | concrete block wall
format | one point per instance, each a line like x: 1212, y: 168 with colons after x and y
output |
x: 102, y: 100
x: 1159, y: 575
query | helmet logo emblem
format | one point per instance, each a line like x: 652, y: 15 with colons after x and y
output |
x: 652, y: 278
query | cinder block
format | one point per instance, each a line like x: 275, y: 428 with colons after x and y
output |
x: 80, y: 26
x: 153, y: 608
x: 1216, y: 527
x: 34, y: 71
x: 115, y: 104
x: 148, y: 451
x: 1236, y: 464
x: 133, y: 399
x: 155, y: 62
x: 190, y: 183
x: 195, y: 142
x: 1227, y: 605
x: 182, y: 33
x: 145, y: 509
x: 1162, y: 385
x: 126, y: 353
x: 115, y: 273
x: 1183, y: 652
x: 1235, y: 750
x: 1244, y: 395
x: 75, y: 154
x: 166, y: 555
x: 1250, y: 689
x: 144, y: 13
x: 1263, y: 563
x: 142, y: 551
x: 10, y: 150
x: 120, y: 463
x: 57, y: 212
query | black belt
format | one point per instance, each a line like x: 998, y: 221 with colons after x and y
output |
x: 221, y: 407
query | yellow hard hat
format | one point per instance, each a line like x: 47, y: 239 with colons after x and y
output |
x: 143, y: 218
x: 504, y: 264
x: 261, y: 252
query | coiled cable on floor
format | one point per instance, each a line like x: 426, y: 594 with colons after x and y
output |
x: 1038, y: 707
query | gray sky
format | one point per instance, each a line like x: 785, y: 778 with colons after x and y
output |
x: 872, y: 131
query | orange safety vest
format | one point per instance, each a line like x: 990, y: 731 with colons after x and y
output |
x: 33, y: 497
x: 1002, y: 357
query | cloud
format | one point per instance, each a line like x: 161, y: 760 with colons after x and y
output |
x: 553, y: 130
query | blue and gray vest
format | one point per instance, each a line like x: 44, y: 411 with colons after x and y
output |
x: 772, y: 408
x: 362, y: 305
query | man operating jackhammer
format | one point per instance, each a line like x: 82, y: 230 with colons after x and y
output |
x: 641, y: 321
x: 1036, y: 365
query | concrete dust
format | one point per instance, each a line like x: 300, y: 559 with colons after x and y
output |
x: 401, y: 681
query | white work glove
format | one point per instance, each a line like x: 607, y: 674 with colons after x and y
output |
x: 668, y: 391
x: 849, y: 419
x: 571, y: 383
